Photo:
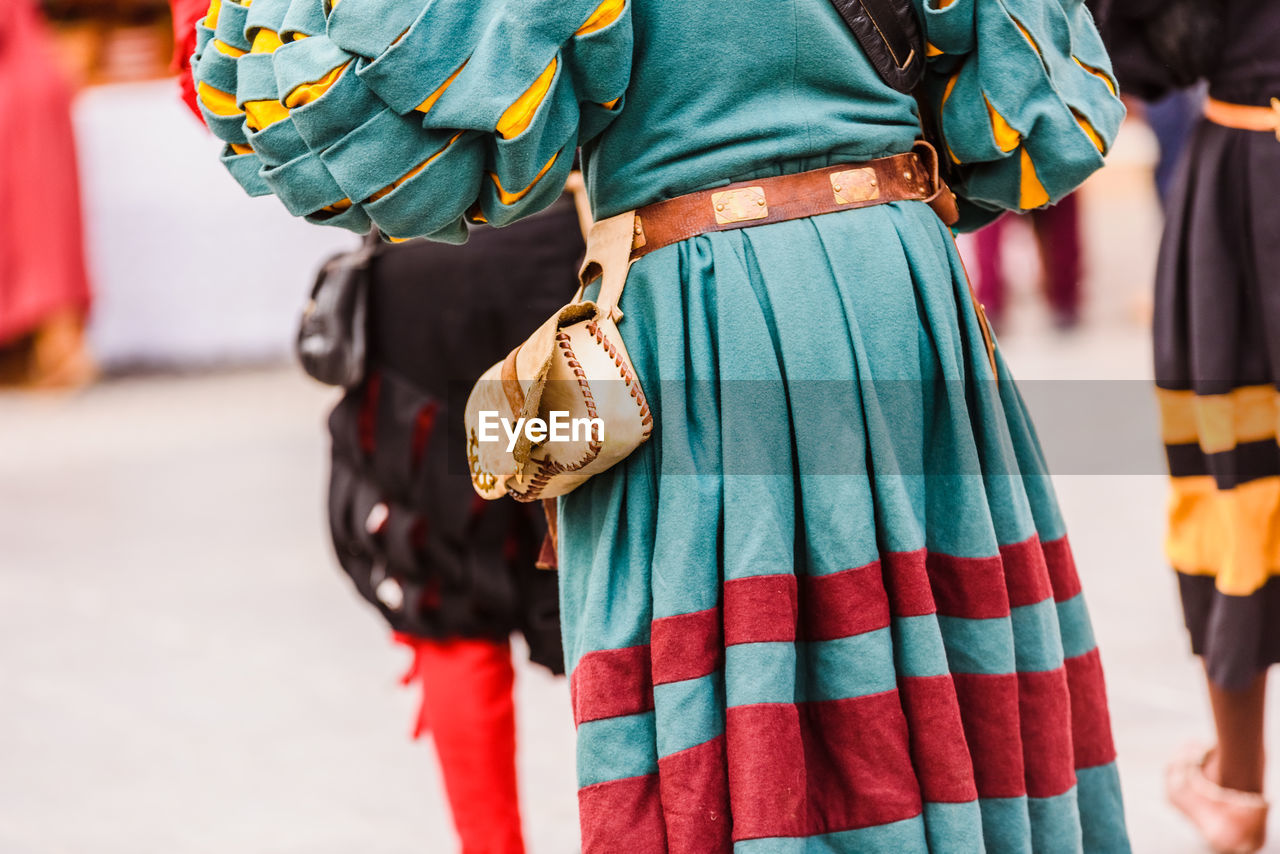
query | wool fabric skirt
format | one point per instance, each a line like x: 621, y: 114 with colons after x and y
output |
x: 830, y: 606
x: 1217, y: 346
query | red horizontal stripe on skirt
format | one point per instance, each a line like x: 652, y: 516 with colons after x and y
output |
x: 760, y: 609
x: 820, y: 767
x: 843, y: 604
x: 989, y: 710
x: 1062, y: 569
x: 1047, y: 748
x: 1025, y: 574
x: 768, y: 608
x: 611, y: 683
x: 622, y: 816
x: 938, y: 743
x: 906, y: 578
x: 695, y: 800
x: 686, y: 646
x: 766, y: 766
x: 1090, y: 720
x: 971, y: 587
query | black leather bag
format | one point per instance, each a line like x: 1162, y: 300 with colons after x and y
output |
x: 332, y: 342
x: 891, y: 36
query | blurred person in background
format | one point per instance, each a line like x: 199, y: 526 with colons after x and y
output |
x: 453, y: 576
x: 1171, y: 119
x: 761, y: 659
x: 44, y: 288
x: 1057, y: 233
x: 1217, y: 361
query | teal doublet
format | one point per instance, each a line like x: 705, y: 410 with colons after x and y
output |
x: 830, y: 606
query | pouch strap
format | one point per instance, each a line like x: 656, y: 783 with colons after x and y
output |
x: 609, y: 257
x: 511, y: 382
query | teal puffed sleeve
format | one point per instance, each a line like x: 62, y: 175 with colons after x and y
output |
x: 414, y: 117
x: 1023, y: 96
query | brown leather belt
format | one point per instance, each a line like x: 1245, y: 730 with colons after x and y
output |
x: 1244, y: 116
x: 902, y: 177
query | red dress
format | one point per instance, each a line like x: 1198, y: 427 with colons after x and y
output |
x: 42, y: 269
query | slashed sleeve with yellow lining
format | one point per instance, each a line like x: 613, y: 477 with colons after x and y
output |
x: 418, y: 117
x: 1024, y: 97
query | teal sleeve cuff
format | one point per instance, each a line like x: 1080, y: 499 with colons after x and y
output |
x: 245, y: 168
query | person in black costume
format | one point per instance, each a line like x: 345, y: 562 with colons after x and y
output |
x: 1217, y: 359
x: 453, y: 575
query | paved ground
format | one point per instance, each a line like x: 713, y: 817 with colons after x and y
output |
x: 183, y: 670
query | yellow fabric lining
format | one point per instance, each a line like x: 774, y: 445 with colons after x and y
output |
x: 211, y: 16
x: 263, y: 114
x: 1232, y: 534
x: 946, y: 94
x: 266, y: 41
x: 1097, y: 72
x: 519, y: 116
x: 308, y: 92
x: 604, y: 15
x: 334, y: 209
x: 931, y: 49
x: 1033, y: 193
x: 1218, y: 422
x: 414, y: 171
x: 609, y: 105
x: 426, y: 105
x: 238, y: 148
x: 511, y: 198
x: 218, y: 102
x: 1088, y: 128
x: 1006, y: 137
x: 223, y: 47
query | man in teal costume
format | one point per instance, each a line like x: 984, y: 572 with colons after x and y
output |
x: 830, y: 606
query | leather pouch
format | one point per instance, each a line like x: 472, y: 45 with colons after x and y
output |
x: 574, y: 369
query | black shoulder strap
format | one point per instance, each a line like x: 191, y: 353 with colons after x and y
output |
x: 891, y: 37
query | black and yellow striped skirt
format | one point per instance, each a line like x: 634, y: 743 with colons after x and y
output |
x: 1217, y: 359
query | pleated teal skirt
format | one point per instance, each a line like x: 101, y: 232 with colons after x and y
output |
x: 830, y: 606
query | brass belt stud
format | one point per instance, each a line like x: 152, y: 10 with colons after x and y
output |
x: 855, y: 185
x: 740, y: 205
